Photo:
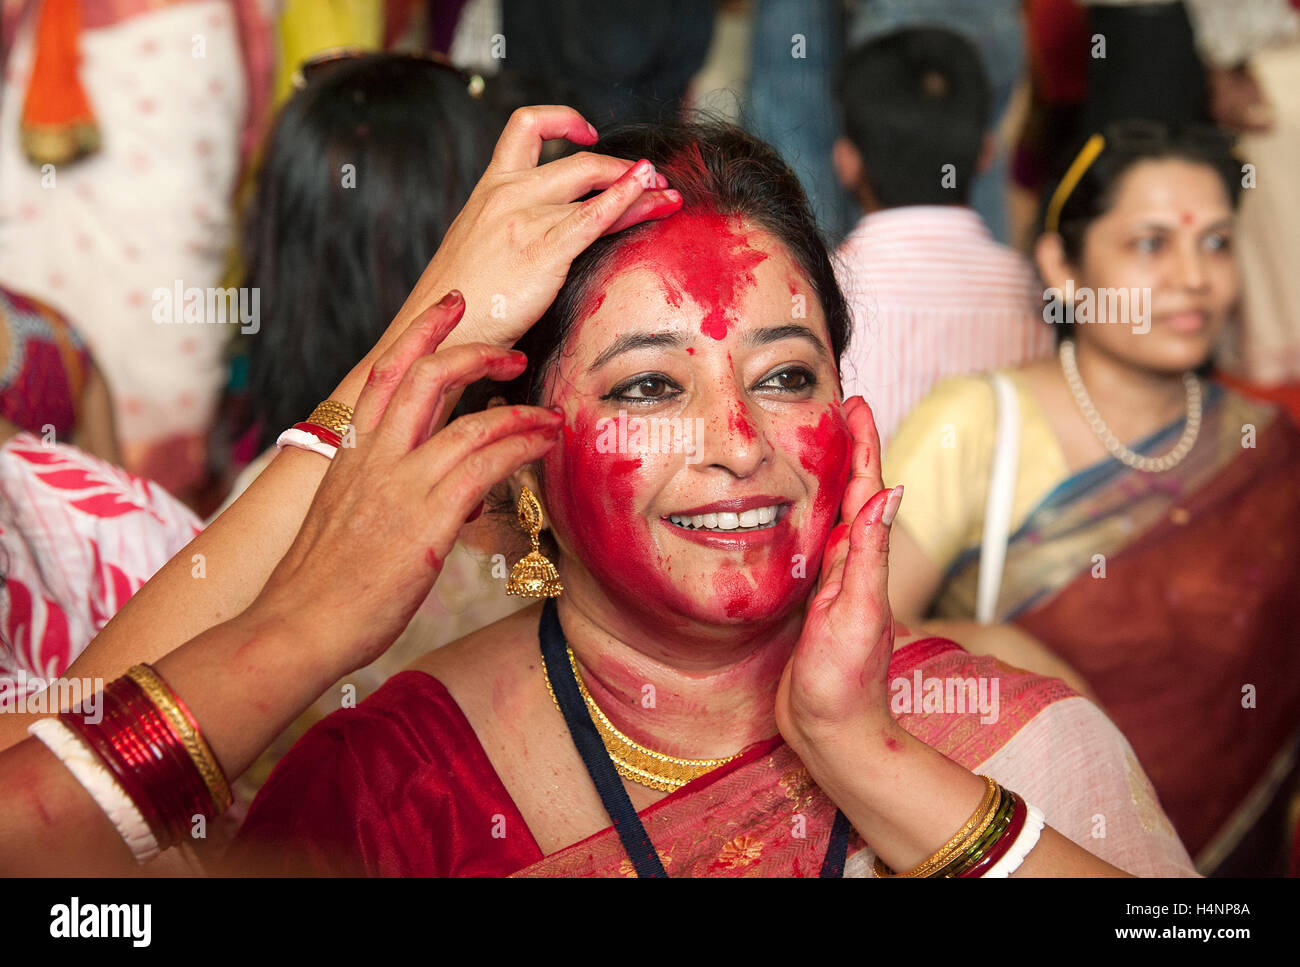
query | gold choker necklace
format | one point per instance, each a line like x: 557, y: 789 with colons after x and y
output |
x: 635, y: 762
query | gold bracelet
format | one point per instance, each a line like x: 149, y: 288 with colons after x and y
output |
x: 332, y: 415
x: 195, y: 745
x: 968, y: 858
x: 976, y: 825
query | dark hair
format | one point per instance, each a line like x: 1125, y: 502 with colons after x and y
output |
x: 717, y: 167
x: 913, y: 101
x: 1127, y: 143
x: 335, y: 251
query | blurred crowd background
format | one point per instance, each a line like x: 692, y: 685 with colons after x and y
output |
x: 307, y: 156
x: 155, y: 118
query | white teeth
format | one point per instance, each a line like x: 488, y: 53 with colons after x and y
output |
x: 749, y: 520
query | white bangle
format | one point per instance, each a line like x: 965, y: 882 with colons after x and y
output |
x: 303, y: 440
x: 88, y: 770
x: 1025, y: 841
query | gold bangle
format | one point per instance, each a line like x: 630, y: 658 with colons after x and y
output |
x: 332, y: 415
x: 195, y: 745
x: 969, y: 858
x: 976, y: 825
x: 937, y: 866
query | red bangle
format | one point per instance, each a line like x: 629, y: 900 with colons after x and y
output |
x: 999, y: 849
x: 143, y: 751
x: 174, y: 781
x: 322, y: 433
x: 98, y: 741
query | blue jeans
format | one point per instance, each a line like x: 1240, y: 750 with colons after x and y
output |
x: 796, y: 49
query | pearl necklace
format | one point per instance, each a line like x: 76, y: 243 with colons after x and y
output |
x: 1111, y: 442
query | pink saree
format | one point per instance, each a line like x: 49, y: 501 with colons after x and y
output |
x: 400, y: 786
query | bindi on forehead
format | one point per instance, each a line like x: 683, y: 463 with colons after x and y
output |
x: 1187, y: 218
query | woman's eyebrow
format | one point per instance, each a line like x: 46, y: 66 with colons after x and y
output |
x: 637, y: 340
x: 761, y: 337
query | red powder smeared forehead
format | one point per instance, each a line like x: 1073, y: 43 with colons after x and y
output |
x: 702, y: 255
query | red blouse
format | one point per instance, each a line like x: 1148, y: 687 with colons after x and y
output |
x: 398, y: 786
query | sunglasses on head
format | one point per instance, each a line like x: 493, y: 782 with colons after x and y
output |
x: 319, y: 64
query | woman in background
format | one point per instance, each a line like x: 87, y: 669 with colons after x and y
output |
x: 1152, y: 515
x: 49, y: 384
x: 366, y: 167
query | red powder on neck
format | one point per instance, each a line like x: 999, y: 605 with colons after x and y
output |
x: 703, y: 256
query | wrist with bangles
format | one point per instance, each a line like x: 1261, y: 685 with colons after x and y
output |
x: 323, y: 432
x: 992, y: 844
x: 143, y: 760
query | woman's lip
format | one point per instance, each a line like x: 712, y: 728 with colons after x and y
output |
x: 736, y: 505
x: 1183, y: 321
x: 733, y: 540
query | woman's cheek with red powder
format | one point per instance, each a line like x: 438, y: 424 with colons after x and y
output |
x: 777, y: 577
x: 594, y: 498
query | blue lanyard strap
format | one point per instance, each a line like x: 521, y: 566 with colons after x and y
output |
x: 640, y: 850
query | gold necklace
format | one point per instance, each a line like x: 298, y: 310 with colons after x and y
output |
x: 635, y: 762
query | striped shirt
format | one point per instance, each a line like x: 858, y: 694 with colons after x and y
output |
x: 932, y: 295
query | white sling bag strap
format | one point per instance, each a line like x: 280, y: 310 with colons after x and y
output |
x: 1002, y: 493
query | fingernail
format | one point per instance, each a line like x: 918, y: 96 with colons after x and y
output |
x: 592, y: 131
x: 474, y: 514
x: 660, y: 181
x: 891, y: 505
x: 557, y: 410
x: 511, y: 364
x: 673, y: 195
x: 450, y: 299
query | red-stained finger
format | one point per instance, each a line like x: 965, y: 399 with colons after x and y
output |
x: 459, y: 441
x: 651, y: 205
x: 593, y: 217
x: 865, y: 582
x: 561, y: 182
x: 520, y: 144
x: 456, y: 495
x: 420, y: 403
x: 425, y: 333
x: 865, y: 478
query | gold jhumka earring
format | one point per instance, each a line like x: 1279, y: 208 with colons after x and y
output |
x: 533, y: 576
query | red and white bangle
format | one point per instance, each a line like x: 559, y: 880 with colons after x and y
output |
x: 305, y: 436
x: 103, y: 787
x: 322, y: 432
x: 1026, y: 840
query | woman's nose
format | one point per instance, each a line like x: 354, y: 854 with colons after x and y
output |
x: 1191, y: 270
x: 730, y: 434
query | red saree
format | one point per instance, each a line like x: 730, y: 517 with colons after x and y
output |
x: 400, y: 786
x: 1174, y: 595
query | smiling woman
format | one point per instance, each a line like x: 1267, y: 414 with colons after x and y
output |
x: 707, y: 695
x: 712, y: 679
x: 1150, y: 515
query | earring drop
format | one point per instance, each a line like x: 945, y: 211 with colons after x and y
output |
x: 533, y: 576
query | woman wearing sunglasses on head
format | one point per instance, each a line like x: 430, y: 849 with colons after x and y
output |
x: 1136, y: 518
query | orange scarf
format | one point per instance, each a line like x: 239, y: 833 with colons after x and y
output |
x: 58, y: 125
